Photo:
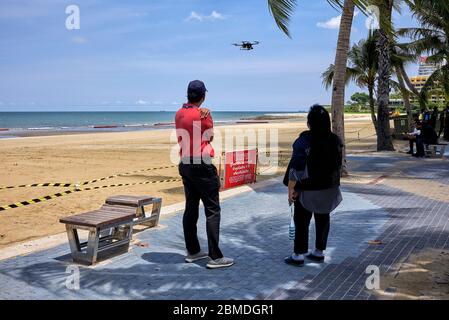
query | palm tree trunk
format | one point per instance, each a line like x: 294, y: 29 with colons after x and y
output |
x: 384, y: 139
x: 407, y: 80
x: 338, y: 85
x: 405, y: 97
x: 411, y: 86
x: 372, y: 104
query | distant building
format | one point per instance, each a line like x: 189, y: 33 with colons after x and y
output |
x: 424, y: 71
x: 394, y: 103
x: 426, y: 68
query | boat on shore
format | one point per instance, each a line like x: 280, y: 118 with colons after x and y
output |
x: 106, y: 127
x: 164, y: 124
x: 252, y: 121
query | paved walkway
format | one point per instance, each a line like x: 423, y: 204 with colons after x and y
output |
x: 255, y: 233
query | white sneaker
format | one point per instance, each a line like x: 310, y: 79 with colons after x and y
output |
x: 195, y: 257
x: 220, y: 263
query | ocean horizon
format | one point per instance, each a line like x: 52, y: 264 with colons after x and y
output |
x: 23, y: 121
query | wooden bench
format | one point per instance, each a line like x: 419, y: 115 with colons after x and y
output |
x: 435, y: 150
x: 138, y: 204
x: 108, y: 230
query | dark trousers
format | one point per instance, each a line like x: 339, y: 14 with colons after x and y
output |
x: 201, y: 182
x: 420, y: 146
x: 420, y: 142
x: 302, y: 221
x: 411, y: 142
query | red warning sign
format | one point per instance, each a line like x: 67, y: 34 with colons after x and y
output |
x: 240, y: 168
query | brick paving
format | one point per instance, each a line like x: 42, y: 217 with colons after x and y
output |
x: 416, y: 222
x: 255, y: 233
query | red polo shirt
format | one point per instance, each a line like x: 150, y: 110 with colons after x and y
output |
x: 194, y: 134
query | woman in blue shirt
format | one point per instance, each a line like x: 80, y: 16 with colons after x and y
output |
x: 313, y: 180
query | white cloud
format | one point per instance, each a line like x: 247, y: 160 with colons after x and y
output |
x: 79, y: 40
x: 215, y: 15
x: 142, y: 102
x: 332, y: 23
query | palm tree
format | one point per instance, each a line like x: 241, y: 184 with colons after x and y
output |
x: 432, y: 37
x: 383, y: 47
x: 338, y: 85
x: 400, y: 57
x: 282, y: 10
x: 362, y: 70
x: 405, y: 96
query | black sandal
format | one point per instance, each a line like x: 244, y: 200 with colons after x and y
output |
x: 315, y: 258
x: 293, y: 262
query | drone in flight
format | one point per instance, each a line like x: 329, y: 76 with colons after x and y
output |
x: 246, y: 45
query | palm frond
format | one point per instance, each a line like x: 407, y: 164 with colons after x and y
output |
x: 282, y: 11
x: 438, y: 79
x: 328, y: 76
x: 396, y: 86
x: 352, y: 74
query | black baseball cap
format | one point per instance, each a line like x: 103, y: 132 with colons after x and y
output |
x: 196, y: 88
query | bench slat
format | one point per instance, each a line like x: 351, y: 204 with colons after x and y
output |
x: 98, y: 218
x: 114, y: 208
x: 133, y: 201
x: 95, y: 216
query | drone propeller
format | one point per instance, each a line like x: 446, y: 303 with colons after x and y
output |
x: 246, y: 45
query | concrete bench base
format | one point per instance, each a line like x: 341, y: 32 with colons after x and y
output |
x: 101, y: 241
x: 435, y: 150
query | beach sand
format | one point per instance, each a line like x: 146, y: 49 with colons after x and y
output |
x: 423, y: 276
x: 82, y: 157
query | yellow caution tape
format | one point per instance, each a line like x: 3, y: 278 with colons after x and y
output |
x: 37, y: 200
x: 67, y: 192
x: 83, y: 183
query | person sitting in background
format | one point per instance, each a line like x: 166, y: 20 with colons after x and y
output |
x: 426, y: 115
x: 412, y: 136
x: 442, y: 118
x: 434, y: 118
x: 446, y: 123
x: 427, y: 136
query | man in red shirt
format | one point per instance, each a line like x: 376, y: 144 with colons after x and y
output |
x: 194, y: 128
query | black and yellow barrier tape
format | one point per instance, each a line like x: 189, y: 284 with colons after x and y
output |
x: 37, y: 200
x: 83, y: 183
x: 67, y: 192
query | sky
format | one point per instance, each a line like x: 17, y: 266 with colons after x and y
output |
x: 139, y: 55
